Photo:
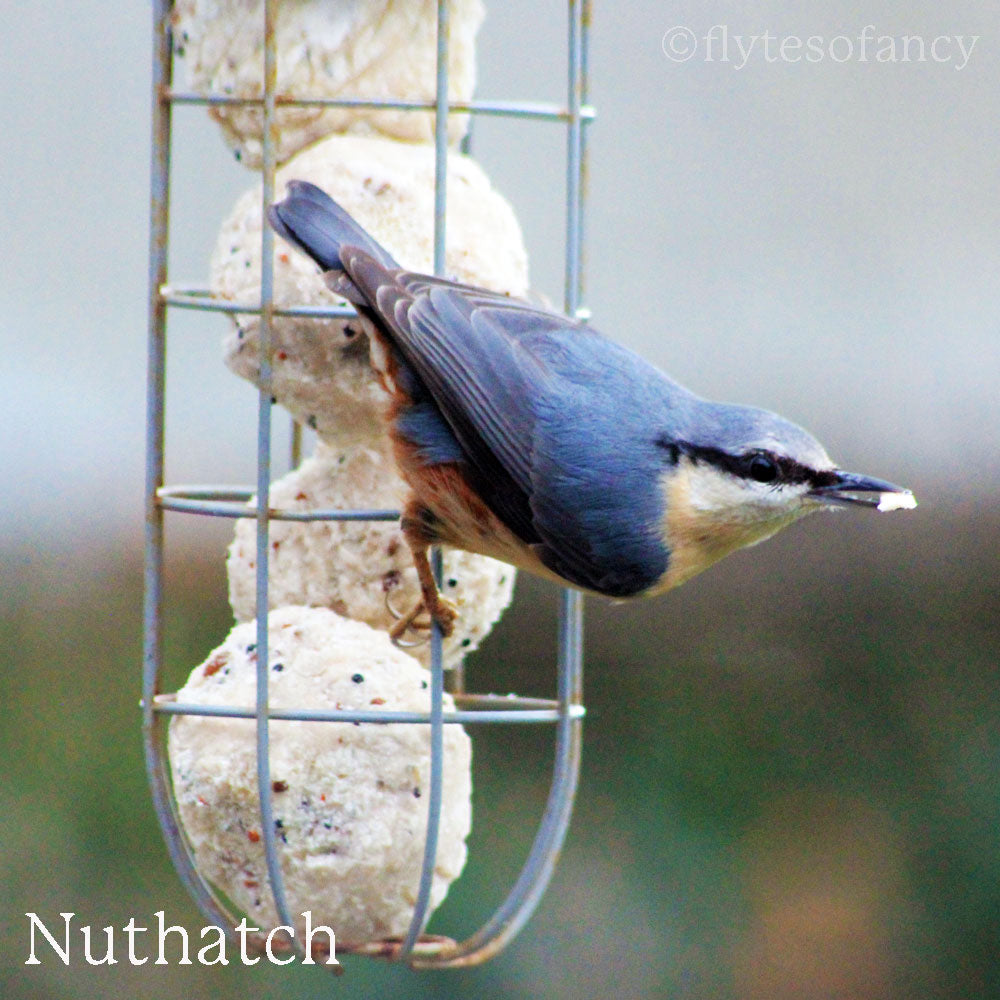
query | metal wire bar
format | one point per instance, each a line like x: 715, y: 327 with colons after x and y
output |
x: 211, y: 501
x: 586, y: 115
x: 156, y: 768
x: 264, y: 404
x: 545, y: 111
x: 421, y: 908
x: 202, y: 300
x: 513, y: 715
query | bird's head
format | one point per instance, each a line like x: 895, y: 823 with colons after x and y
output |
x: 735, y: 475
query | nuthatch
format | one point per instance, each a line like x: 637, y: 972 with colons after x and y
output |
x: 530, y: 437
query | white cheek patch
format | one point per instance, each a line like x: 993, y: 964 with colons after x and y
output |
x: 711, y: 490
x: 897, y: 501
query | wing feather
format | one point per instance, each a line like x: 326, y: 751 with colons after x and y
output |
x: 525, y: 391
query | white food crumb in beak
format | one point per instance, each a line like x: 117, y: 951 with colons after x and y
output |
x: 897, y: 501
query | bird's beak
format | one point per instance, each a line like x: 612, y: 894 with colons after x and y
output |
x: 873, y: 492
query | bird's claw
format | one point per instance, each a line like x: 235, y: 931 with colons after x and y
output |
x: 443, y: 613
x: 388, y: 605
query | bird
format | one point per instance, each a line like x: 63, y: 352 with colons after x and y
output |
x: 528, y: 436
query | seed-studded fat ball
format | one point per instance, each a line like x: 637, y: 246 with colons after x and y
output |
x: 320, y: 368
x: 359, y: 568
x: 369, y: 49
x: 350, y: 801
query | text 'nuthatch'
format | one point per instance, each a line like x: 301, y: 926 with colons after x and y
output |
x: 530, y: 437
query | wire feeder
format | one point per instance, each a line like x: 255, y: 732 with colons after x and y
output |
x: 566, y: 711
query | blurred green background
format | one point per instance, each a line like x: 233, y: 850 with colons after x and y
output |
x: 791, y: 778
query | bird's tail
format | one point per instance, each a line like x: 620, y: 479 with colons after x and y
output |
x: 311, y: 220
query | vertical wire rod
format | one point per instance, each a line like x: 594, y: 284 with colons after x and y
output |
x: 456, y: 676
x: 571, y: 618
x: 152, y: 722
x: 421, y: 910
x: 537, y: 871
x: 441, y: 141
x: 156, y: 355
x: 442, y: 120
x: 574, y: 161
x: 268, y: 135
x: 586, y: 15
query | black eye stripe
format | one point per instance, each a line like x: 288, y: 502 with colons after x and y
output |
x: 789, y: 471
x: 825, y: 477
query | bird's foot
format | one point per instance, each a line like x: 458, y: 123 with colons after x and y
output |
x: 443, y: 614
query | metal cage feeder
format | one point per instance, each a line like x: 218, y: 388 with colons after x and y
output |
x: 565, y: 712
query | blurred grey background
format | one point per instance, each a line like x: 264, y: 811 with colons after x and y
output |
x: 791, y: 765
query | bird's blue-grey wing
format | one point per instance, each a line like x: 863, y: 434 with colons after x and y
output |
x: 524, y: 392
x: 483, y: 383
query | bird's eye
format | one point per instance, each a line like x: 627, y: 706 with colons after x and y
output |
x: 762, y: 468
